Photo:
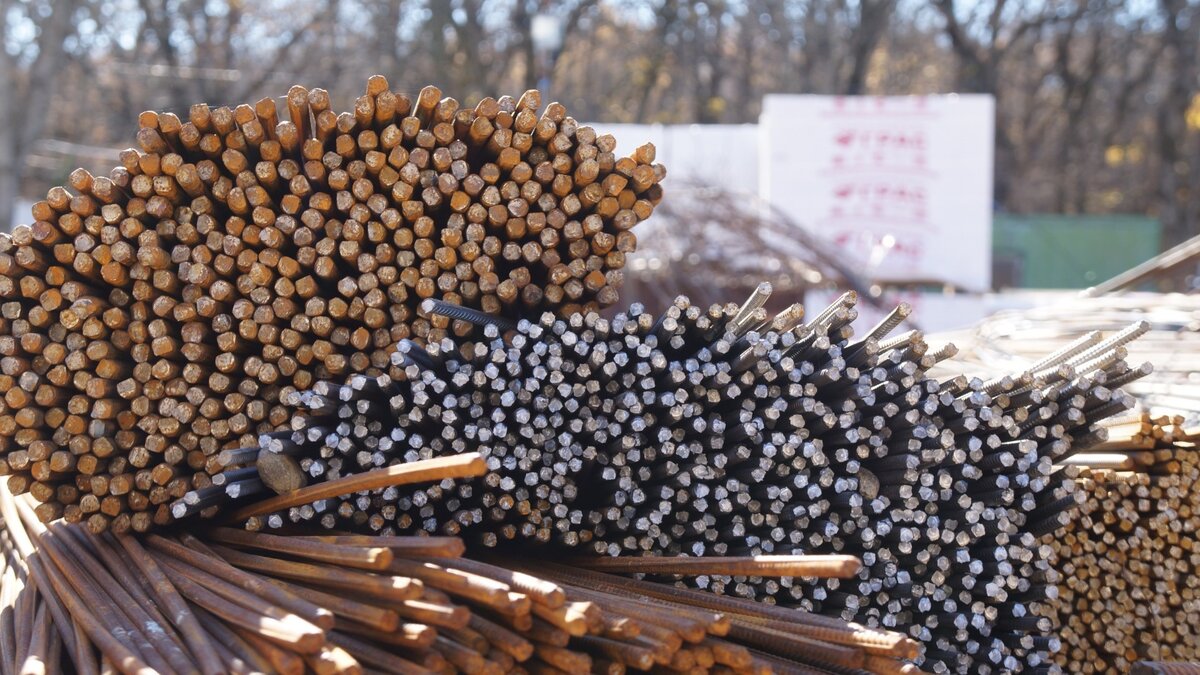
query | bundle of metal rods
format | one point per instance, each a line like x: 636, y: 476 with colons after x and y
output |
x: 152, y: 317
x: 1165, y: 668
x: 1132, y: 440
x: 724, y: 431
x: 1012, y: 339
x: 229, y: 601
x: 1130, y: 561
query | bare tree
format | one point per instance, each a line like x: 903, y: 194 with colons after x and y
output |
x: 1181, y: 23
x: 871, y: 19
x: 28, y: 84
x: 982, y: 35
x: 223, y: 56
x: 1093, y: 96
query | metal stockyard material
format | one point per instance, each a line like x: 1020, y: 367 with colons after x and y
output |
x: 724, y: 431
x: 1165, y: 668
x: 1127, y: 566
x: 711, y: 244
x: 231, y: 601
x: 1130, y: 560
x: 293, y: 323
x: 155, y: 316
x: 1011, y: 340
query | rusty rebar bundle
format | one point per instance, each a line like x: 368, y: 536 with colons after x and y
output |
x: 1130, y: 586
x: 233, y: 601
x: 152, y: 317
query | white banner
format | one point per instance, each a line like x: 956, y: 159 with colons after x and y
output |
x: 902, y: 184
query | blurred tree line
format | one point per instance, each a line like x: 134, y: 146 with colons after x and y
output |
x: 1098, y: 101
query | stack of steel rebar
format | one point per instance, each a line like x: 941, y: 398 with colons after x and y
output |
x: 152, y: 317
x: 1165, y: 668
x: 1130, y: 561
x: 1011, y: 339
x: 725, y: 431
x: 1126, y: 564
x: 228, y: 601
x: 711, y: 244
x: 289, y: 317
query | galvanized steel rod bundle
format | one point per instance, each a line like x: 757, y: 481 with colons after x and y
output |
x: 1010, y: 340
x: 725, y: 431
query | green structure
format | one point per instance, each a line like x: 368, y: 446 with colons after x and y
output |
x: 1057, y: 251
